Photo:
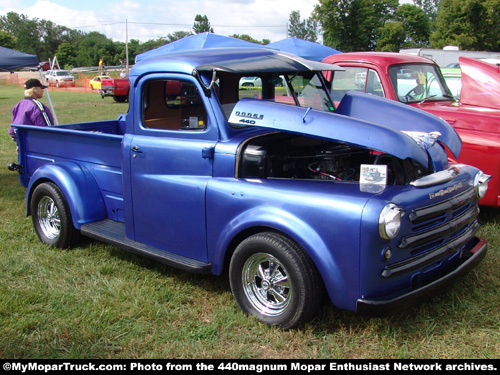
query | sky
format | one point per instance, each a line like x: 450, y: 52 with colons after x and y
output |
x: 144, y: 20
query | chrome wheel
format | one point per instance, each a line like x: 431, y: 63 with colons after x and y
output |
x: 274, y: 279
x: 48, y: 218
x: 51, y: 216
x: 266, y: 284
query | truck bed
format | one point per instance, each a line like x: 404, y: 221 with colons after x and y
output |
x: 94, y: 142
x: 94, y: 147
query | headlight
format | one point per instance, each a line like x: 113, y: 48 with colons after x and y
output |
x: 389, y: 221
x: 481, y: 183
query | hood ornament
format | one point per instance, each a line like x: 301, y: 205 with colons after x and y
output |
x: 424, y: 140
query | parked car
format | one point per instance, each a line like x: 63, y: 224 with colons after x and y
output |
x: 95, y: 83
x: 360, y: 80
x: 418, y: 82
x: 250, y: 82
x: 44, y: 65
x: 59, y: 78
x: 118, y: 88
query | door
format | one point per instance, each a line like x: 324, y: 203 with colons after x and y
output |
x: 171, y: 157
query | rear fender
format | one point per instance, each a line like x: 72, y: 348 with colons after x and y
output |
x: 78, y: 186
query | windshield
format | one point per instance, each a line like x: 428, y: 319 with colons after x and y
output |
x: 418, y: 82
x: 307, y: 92
x: 299, y: 89
x: 62, y: 73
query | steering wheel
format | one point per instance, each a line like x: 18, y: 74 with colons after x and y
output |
x: 415, y: 92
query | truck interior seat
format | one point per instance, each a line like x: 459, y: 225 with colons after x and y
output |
x: 156, y: 112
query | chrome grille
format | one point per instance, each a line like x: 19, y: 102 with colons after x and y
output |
x: 437, y: 230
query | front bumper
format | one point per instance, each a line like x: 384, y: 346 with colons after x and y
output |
x: 66, y: 83
x: 380, y: 308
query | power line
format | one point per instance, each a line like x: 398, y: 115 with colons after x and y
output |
x: 173, y: 24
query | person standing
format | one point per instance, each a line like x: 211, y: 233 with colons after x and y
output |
x: 30, y: 111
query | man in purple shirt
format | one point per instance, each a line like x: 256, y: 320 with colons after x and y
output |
x: 30, y: 111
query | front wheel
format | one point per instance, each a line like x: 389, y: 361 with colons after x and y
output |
x: 274, y: 279
x: 51, y: 216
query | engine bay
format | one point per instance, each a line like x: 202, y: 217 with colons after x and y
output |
x: 288, y: 156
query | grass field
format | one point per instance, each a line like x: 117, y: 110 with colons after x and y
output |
x: 96, y: 301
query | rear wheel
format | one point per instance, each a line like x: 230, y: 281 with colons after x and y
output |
x: 275, y: 280
x: 51, y: 216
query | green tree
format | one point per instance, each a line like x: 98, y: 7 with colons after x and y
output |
x: 202, y: 25
x: 24, y: 30
x: 430, y: 7
x: 134, y: 48
x: 391, y: 37
x: 36, y: 36
x: 353, y: 25
x: 92, y: 47
x: 52, y: 36
x: 248, y: 38
x: 177, y: 35
x: 417, y: 24
x: 303, y: 29
x: 469, y: 24
x: 66, y: 55
x: 410, y: 28
x: 7, y: 40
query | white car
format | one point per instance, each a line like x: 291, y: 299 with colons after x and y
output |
x: 59, y: 78
x: 250, y: 82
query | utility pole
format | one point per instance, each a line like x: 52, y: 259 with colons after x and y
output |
x: 126, y: 44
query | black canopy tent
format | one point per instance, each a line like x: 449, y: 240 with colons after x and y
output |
x: 11, y: 59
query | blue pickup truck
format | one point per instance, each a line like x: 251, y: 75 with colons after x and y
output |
x: 288, y: 193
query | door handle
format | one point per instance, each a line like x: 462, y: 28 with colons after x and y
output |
x: 136, y: 149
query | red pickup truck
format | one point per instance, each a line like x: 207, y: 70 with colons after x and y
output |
x: 418, y: 82
x: 117, y: 88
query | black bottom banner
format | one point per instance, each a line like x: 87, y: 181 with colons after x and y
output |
x: 256, y: 366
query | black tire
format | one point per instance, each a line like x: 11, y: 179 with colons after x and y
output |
x: 120, y: 98
x: 51, y: 216
x: 274, y: 279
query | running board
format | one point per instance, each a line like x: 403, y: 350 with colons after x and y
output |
x: 113, y: 232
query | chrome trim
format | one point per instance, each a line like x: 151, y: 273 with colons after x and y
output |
x: 437, y: 178
x: 431, y: 256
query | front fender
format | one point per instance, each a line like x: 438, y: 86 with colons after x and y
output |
x: 264, y: 218
x: 78, y: 186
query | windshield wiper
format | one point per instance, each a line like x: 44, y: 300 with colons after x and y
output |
x: 428, y: 97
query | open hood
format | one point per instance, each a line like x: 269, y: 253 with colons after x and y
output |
x: 398, y: 116
x: 326, y: 125
x: 480, y: 83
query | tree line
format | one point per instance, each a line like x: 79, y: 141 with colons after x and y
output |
x: 387, y: 25
x: 346, y: 25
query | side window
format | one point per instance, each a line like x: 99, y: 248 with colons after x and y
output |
x: 357, y: 79
x: 173, y: 105
x: 373, y: 84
